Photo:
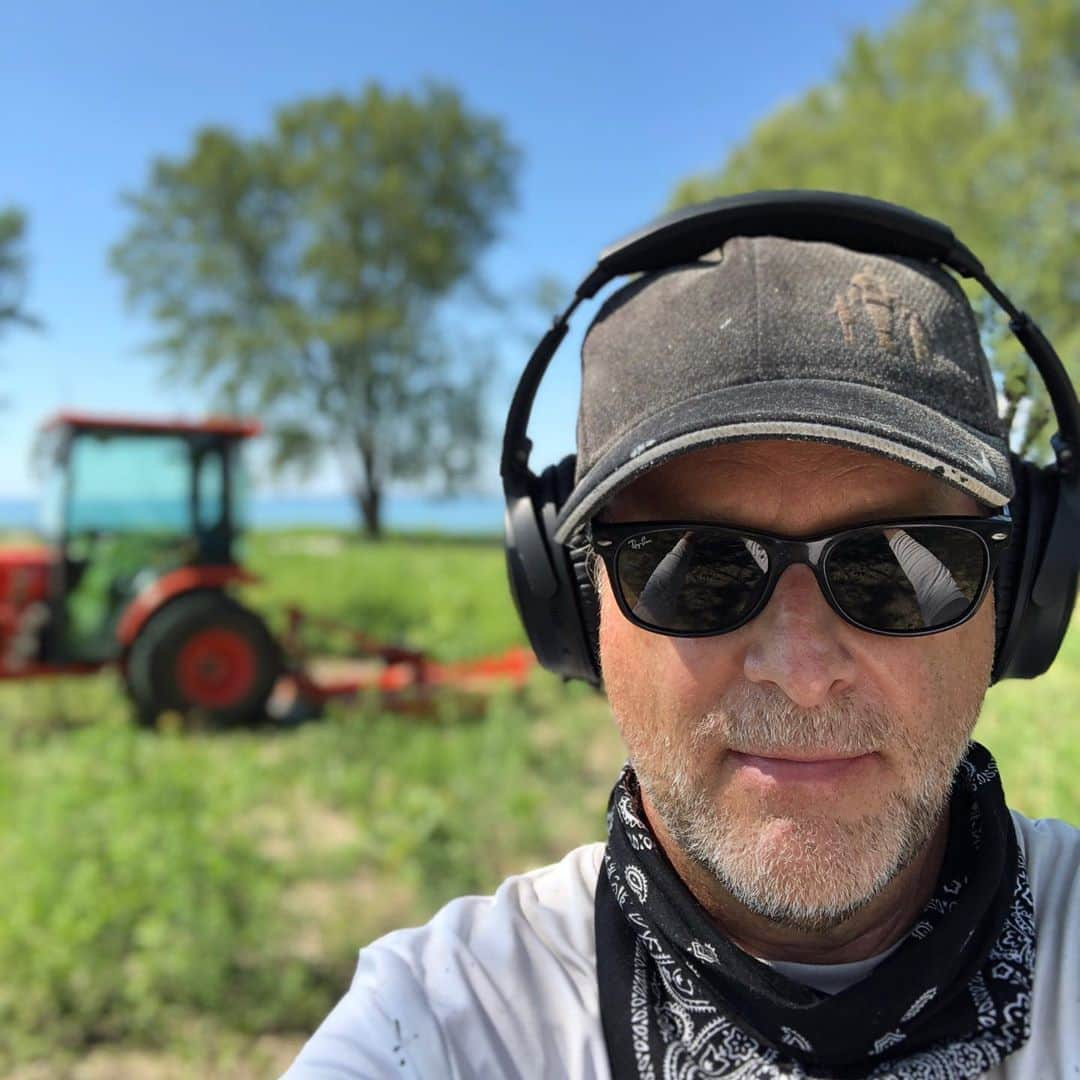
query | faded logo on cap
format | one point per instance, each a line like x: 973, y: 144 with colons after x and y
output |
x: 887, y: 315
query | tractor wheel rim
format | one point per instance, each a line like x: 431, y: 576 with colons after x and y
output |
x: 216, y: 668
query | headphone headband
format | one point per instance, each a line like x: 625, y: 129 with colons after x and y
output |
x: 853, y: 221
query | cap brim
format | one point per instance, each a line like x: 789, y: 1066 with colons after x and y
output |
x: 846, y: 414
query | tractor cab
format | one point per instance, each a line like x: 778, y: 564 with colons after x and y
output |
x: 142, y: 522
x: 130, y: 503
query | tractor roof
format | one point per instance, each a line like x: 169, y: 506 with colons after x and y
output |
x: 231, y: 427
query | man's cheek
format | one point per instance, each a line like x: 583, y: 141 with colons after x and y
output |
x: 661, y: 676
x: 625, y: 664
x: 634, y: 677
x: 651, y: 696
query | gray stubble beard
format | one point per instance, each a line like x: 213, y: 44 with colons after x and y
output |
x: 818, y: 871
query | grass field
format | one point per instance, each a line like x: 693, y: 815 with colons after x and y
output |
x: 191, y: 904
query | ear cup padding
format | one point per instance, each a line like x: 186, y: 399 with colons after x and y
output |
x: 1011, y: 563
x: 579, y: 552
x: 543, y: 582
x: 1032, y: 622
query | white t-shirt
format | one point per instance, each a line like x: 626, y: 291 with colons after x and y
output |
x: 502, y: 987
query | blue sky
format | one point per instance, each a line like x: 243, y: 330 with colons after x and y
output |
x: 611, y: 104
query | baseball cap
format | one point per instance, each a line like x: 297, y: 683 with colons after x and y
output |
x: 775, y: 338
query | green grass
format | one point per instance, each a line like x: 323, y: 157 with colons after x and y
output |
x: 189, y: 897
x: 162, y: 879
x: 445, y: 596
x: 1032, y: 729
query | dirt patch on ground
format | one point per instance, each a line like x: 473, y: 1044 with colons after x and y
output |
x: 301, y: 828
x: 326, y: 914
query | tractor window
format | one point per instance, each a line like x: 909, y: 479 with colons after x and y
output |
x: 240, y: 490
x: 134, y: 483
x: 51, y: 515
x: 210, y: 488
x: 48, y: 461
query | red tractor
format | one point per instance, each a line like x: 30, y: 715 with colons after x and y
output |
x: 141, y: 521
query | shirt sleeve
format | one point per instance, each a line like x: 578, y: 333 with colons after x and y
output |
x: 382, y: 1027
x: 498, y: 987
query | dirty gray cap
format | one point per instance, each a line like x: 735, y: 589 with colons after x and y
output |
x: 777, y: 338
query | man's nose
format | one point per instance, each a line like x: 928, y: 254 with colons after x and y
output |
x: 797, y: 642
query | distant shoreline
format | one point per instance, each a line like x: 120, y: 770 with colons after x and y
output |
x: 471, y: 515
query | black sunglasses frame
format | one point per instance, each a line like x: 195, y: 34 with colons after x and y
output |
x: 607, y: 540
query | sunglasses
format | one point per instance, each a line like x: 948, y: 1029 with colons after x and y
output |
x: 902, y: 578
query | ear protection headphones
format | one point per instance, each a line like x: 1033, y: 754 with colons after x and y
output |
x: 1035, y: 586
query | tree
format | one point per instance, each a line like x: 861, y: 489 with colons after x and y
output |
x: 13, y: 271
x: 300, y: 275
x: 969, y: 111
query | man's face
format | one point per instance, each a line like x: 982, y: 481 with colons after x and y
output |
x: 798, y: 761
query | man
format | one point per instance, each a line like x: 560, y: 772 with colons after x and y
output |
x: 810, y: 871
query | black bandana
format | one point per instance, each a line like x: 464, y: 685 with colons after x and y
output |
x: 679, y: 1001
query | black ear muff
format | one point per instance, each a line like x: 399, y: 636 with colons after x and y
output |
x: 578, y: 554
x: 1036, y: 581
x: 550, y: 583
x: 1011, y: 564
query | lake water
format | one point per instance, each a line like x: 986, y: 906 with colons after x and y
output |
x: 461, y: 514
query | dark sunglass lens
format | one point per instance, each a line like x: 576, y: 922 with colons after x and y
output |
x: 691, y: 581
x: 904, y: 580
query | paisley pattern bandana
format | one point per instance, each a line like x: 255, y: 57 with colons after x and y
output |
x: 678, y: 1001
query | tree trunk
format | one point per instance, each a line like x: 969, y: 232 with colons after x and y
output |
x: 368, y: 488
x: 369, y: 504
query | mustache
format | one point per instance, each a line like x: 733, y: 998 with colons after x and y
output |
x: 763, y: 720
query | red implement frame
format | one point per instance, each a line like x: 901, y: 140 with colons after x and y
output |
x: 406, y: 680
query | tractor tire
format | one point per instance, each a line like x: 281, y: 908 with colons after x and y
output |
x: 203, y: 660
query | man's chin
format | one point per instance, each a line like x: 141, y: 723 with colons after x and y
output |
x: 811, y: 903
x: 805, y: 874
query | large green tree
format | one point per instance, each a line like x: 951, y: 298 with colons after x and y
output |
x: 13, y: 270
x: 967, y: 110
x: 302, y: 273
